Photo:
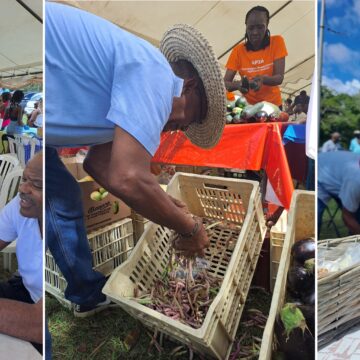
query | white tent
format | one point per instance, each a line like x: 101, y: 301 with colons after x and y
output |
x: 223, y: 24
x: 21, y: 42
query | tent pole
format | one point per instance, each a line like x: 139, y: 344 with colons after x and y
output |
x: 320, y: 61
x: 28, y: 9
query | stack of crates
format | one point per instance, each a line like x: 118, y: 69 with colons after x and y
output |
x: 110, y: 246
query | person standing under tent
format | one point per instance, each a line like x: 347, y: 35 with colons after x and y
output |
x: 261, y: 58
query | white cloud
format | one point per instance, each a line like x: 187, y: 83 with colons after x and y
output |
x: 347, y: 23
x: 349, y: 87
x: 338, y: 53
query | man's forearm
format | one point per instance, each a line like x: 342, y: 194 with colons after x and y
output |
x: 139, y: 191
x: 21, y: 320
x: 351, y: 222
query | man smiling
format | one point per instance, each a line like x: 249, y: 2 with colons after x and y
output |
x: 21, y: 296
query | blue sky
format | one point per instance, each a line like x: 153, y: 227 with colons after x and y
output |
x: 341, y: 62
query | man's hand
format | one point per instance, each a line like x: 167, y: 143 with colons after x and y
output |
x: 180, y: 204
x: 195, y: 245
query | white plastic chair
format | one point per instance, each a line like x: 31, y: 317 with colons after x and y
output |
x: 12, y: 147
x: 7, y: 164
x: 25, y: 148
x: 7, y: 256
x: 8, y: 191
x: 10, y: 186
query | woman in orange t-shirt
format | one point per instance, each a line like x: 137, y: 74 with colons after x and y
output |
x: 261, y: 58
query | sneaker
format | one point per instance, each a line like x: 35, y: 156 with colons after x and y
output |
x: 82, y: 311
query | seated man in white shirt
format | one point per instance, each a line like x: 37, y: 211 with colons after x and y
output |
x: 21, y: 304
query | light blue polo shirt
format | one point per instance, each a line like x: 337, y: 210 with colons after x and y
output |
x: 29, y: 246
x: 99, y: 76
x: 339, y: 175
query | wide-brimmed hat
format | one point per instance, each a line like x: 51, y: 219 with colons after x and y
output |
x: 183, y: 42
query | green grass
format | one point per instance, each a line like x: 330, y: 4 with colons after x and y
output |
x: 104, y: 335
x: 327, y: 229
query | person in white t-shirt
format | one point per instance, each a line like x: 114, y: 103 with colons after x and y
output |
x: 339, y: 178
x: 21, y: 303
x: 333, y: 144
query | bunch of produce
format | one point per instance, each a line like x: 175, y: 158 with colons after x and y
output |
x: 337, y: 258
x: 99, y: 194
x: 248, y: 339
x: 239, y: 112
x: 295, y: 325
x: 183, y: 294
x: 186, y: 288
x: 234, y: 110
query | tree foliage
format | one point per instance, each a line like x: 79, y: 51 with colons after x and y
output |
x: 339, y: 112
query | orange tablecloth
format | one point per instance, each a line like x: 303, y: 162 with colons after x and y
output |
x: 245, y: 146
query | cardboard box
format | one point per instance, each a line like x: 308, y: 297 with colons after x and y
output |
x: 97, y: 213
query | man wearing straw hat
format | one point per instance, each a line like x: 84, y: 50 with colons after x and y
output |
x: 140, y: 92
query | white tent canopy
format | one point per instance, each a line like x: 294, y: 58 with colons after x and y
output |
x: 21, y: 42
x: 223, y: 24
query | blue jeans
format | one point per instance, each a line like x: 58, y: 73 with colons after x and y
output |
x: 66, y: 234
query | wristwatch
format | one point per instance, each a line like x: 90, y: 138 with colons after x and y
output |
x: 193, y: 231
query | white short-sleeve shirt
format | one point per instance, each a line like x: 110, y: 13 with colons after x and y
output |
x: 29, y: 246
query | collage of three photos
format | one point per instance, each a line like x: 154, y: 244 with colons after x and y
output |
x: 179, y: 180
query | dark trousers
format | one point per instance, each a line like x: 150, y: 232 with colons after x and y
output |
x: 14, y: 289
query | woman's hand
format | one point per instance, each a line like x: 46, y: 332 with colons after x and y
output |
x: 256, y: 83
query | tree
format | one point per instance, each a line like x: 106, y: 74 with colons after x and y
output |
x: 338, y: 112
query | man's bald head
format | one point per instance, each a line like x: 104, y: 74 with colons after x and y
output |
x: 31, y: 188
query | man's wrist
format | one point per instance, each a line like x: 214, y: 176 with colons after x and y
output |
x: 193, y: 231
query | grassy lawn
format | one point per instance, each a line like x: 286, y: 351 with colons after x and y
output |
x: 113, y: 334
x: 327, y: 229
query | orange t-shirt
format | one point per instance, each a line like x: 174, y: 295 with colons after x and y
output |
x: 252, y: 63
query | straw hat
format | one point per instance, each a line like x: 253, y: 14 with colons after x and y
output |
x: 183, y: 42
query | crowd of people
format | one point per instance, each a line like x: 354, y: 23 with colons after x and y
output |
x: 298, y: 108
x: 334, y: 144
x: 14, y: 119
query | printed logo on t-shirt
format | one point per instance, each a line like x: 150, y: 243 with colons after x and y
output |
x: 258, y: 62
x: 257, y: 68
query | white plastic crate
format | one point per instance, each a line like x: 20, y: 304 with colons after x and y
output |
x: 237, y: 202
x: 300, y: 225
x: 277, y: 237
x: 110, y: 246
